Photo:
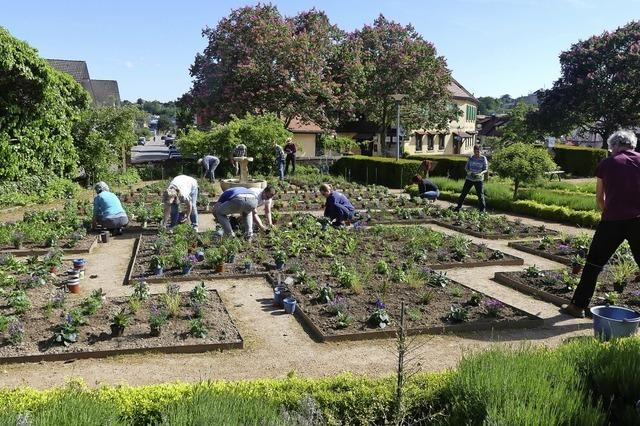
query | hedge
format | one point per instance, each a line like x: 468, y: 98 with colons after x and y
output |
x: 578, y: 160
x: 377, y: 170
x: 452, y: 166
x: 583, y: 381
x: 343, y: 399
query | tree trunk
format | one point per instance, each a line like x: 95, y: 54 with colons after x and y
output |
x: 516, y: 184
x: 124, y: 159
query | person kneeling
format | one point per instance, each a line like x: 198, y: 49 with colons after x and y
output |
x: 337, y: 208
x: 107, y: 210
x: 426, y: 188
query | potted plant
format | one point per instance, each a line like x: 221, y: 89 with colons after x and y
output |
x: 577, y: 263
x: 248, y: 264
x: 280, y: 258
x: 157, y: 318
x: 187, y: 263
x: 217, y: 261
x: 17, y: 239
x: 158, y: 264
x: 119, y: 322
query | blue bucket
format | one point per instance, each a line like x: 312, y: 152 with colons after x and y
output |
x: 614, y: 321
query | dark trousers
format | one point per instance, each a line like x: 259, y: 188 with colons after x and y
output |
x: 291, y: 159
x: 343, y: 213
x: 606, y: 240
x: 479, y: 192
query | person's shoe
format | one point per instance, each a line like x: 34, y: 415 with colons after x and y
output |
x: 195, y: 229
x: 573, y: 310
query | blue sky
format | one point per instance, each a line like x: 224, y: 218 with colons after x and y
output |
x: 493, y: 47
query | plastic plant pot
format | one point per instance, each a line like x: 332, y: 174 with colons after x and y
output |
x: 186, y: 270
x: 117, y: 330
x: 278, y: 293
x: 279, y: 265
x: 158, y: 270
x: 79, y: 264
x: 289, y: 305
x: 73, y: 285
x: 200, y: 256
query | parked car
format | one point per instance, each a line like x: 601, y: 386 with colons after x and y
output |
x: 163, y: 137
x: 142, y: 140
x: 169, y: 141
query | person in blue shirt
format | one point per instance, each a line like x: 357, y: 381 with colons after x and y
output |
x: 476, y: 167
x: 337, y: 208
x: 209, y: 165
x: 107, y: 210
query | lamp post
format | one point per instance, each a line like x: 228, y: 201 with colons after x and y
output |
x: 398, y: 97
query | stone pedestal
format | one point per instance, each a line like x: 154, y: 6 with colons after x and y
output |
x: 244, y: 180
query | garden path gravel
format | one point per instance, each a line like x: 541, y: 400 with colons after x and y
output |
x: 276, y: 344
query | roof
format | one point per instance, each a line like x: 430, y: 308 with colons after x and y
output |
x: 76, y: 69
x: 490, y: 124
x: 458, y: 91
x: 105, y: 92
x: 297, y: 126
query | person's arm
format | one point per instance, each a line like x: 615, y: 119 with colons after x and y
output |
x: 600, y: 195
x: 256, y: 219
x: 485, y: 167
x: 167, y: 216
x: 267, y: 213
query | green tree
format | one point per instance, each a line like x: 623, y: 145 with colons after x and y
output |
x: 164, y: 123
x: 258, y: 133
x: 519, y: 128
x: 598, y: 89
x: 488, y: 105
x: 103, y: 138
x: 396, y: 59
x: 38, y: 108
x: 258, y: 61
x: 522, y: 163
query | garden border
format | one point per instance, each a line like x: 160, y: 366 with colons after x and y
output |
x: 531, y: 322
x: 541, y: 253
x: 482, y: 235
x: 40, y: 252
x: 175, y: 349
x: 182, y: 278
x: 503, y: 279
x: 516, y: 261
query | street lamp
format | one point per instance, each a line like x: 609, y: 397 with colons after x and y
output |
x: 398, y: 97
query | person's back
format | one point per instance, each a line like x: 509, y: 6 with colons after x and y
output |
x: 620, y: 176
x: 233, y: 192
x: 106, y: 204
x: 426, y: 186
x: 336, y: 201
x: 185, y: 185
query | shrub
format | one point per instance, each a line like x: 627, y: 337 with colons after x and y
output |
x: 377, y: 170
x: 522, y: 163
x: 451, y: 166
x: 577, y: 160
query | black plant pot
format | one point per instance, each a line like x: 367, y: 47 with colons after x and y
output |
x: 117, y: 330
x: 156, y: 330
x: 619, y: 286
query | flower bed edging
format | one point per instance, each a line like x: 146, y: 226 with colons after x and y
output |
x: 518, y: 246
x: 504, y: 279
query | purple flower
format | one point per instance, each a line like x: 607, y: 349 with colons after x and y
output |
x: 635, y: 293
x: 380, y: 304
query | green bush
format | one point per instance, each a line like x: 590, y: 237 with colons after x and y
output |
x: 377, y: 170
x: 36, y: 190
x: 451, y: 166
x: 577, y: 160
x: 527, y: 387
x: 522, y: 163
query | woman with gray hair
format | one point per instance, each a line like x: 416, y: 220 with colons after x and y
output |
x: 107, y: 210
x: 618, y: 197
x: 183, y: 189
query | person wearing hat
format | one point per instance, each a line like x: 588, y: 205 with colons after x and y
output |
x: 290, y: 150
x: 182, y: 189
x: 209, y: 164
x: 107, y: 210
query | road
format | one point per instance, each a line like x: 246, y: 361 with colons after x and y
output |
x: 151, y: 151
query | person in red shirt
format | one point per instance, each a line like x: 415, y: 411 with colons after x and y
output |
x: 290, y: 151
x: 618, y: 197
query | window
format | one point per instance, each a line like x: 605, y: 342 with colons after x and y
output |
x: 419, y: 142
x: 441, y: 141
x: 430, y: 142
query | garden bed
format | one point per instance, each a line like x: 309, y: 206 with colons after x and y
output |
x: 453, y: 308
x: 565, y: 250
x: 82, y: 246
x: 94, y: 339
x: 557, y: 287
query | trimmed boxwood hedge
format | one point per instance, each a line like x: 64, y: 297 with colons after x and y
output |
x: 376, y: 170
x: 578, y: 160
x: 452, y: 166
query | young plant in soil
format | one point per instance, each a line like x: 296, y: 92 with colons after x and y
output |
x: 197, y: 328
x: 458, y: 314
x: 15, y: 331
x: 66, y: 332
x: 172, y: 300
x: 158, y: 317
x: 119, y: 322
x: 380, y: 317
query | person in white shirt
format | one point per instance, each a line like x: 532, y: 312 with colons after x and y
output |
x: 244, y: 201
x: 183, y: 189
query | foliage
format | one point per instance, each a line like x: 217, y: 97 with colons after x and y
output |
x: 522, y: 163
x: 597, y: 86
x: 121, y: 319
x: 257, y: 60
x: 458, y: 314
x: 36, y: 189
x: 518, y: 128
x: 102, y: 136
x: 38, y: 108
x: 379, y: 170
x: 578, y: 160
x: 451, y: 166
x: 258, y: 133
x: 197, y: 328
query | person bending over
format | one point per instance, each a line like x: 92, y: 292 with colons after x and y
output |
x: 244, y: 201
x: 183, y: 189
x: 426, y: 188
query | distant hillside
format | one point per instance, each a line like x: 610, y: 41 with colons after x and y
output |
x: 490, y: 105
